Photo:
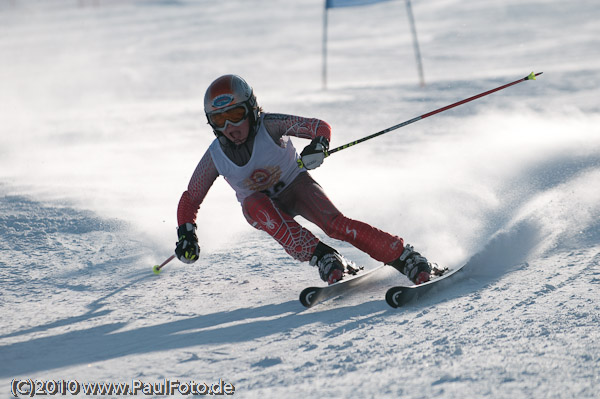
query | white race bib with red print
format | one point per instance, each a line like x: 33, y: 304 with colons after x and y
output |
x: 270, y: 168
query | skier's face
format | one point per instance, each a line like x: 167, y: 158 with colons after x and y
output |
x: 238, y: 134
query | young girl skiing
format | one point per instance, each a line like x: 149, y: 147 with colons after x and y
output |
x: 255, y: 155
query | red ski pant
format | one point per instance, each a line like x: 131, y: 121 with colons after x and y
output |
x: 306, y: 198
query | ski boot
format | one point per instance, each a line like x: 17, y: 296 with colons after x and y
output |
x: 330, y: 263
x: 413, y: 265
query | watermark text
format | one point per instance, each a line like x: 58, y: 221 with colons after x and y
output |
x: 168, y: 387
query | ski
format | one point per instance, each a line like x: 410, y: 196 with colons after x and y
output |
x: 312, y: 295
x: 400, y: 295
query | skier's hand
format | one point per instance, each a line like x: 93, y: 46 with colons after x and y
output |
x: 312, y: 155
x: 187, y: 249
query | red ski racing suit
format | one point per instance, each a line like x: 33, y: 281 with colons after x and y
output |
x: 272, y: 190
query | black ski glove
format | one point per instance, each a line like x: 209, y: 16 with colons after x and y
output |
x: 187, y: 249
x: 312, y: 155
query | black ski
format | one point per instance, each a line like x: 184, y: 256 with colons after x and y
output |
x: 313, y: 295
x: 401, y: 295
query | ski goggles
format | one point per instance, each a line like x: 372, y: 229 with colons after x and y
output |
x: 235, y: 116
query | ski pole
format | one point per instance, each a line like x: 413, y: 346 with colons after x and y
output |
x: 531, y: 76
x: 156, y: 268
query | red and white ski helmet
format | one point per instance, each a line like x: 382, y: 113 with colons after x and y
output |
x: 227, y: 92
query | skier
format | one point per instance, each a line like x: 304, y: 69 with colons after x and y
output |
x: 255, y: 155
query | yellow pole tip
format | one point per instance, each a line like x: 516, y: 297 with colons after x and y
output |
x: 156, y: 270
x: 531, y: 76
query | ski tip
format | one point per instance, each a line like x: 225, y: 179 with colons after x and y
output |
x: 308, y: 296
x: 532, y: 75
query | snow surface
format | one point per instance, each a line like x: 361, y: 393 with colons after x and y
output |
x: 102, y: 125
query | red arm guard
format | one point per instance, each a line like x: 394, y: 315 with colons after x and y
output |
x: 203, y: 178
x: 279, y: 125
